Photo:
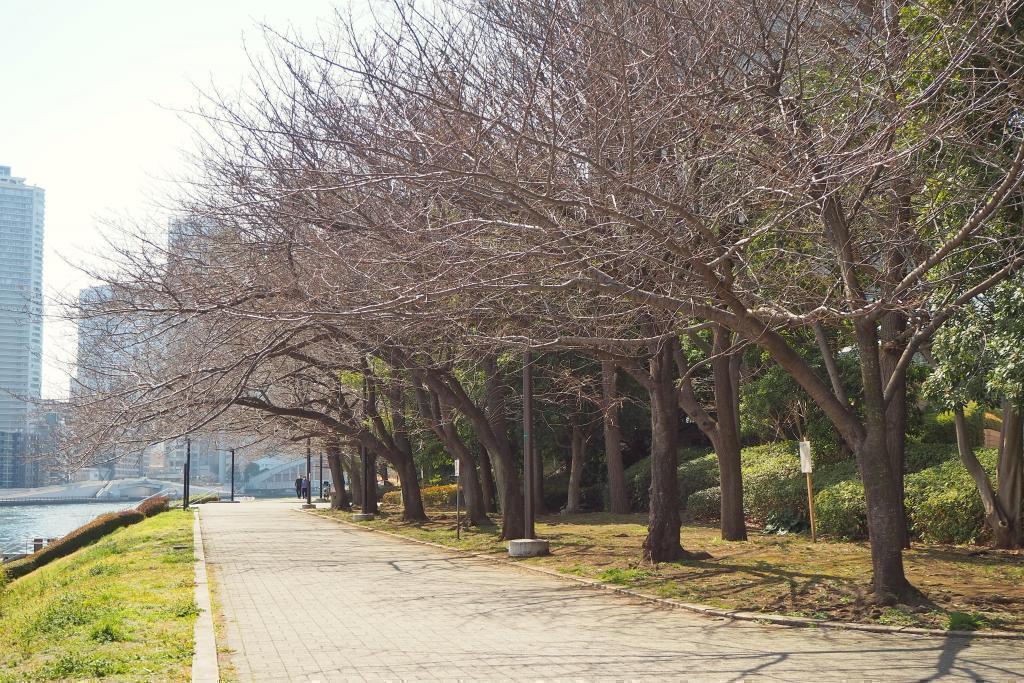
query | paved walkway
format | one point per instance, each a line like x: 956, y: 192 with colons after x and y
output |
x: 307, y: 599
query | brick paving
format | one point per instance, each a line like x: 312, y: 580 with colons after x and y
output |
x: 307, y: 599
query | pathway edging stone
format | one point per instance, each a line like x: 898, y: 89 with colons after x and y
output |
x: 204, y: 659
x: 758, y: 617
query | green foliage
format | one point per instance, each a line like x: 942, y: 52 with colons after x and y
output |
x: 920, y: 456
x: 943, y: 502
x: 939, y: 427
x: 841, y: 511
x: 107, y: 610
x: 773, y: 487
x: 965, y: 621
x: 623, y: 577
x: 697, y: 475
x: 638, y: 482
x: 107, y: 631
x: 705, y: 505
x: 433, y: 496
x: 979, y: 355
x: 79, y: 538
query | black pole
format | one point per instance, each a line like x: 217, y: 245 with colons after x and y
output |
x: 188, y: 467
x: 369, y: 476
x: 232, y: 475
x: 321, y: 480
x: 528, y: 453
x: 309, y: 473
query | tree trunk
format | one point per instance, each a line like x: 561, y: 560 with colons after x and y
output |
x: 662, y: 542
x: 727, y: 439
x: 370, y: 494
x: 577, y: 447
x: 491, y: 430
x: 618, y: 496
x: 892, y: 327
x: 1009, y: 475
x: 438, y: 416
x: 412, y: 500
x: 886, y: 522
x: 355, y: 471
x: 402, y: 458
x: 339, y: 496
x: 475, y: 510
x: 487, y: 480
x: 995, y: 517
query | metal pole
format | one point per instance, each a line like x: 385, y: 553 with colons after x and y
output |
x: 528, y: 531
x: 321, y: 480
x: 188, y: 466
x: 458, y: 503
x: 232, y: 475
x: 309, y: 474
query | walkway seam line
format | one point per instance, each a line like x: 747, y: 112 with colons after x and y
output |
x: 773, y: 619
x: 204, y: 659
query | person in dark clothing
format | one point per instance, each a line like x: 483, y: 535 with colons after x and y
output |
x: 298, y: 487
x: 305, y: 487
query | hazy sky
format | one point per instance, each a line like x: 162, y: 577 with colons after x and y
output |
x: 86, y: 93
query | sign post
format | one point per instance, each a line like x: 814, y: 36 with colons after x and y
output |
x: 807, y: 466
x: 458, y: 504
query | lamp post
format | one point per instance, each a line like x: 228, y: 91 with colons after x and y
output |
x: 188, y: 466
x: 321, y: 478
x: 528, y: 454
x: 232, y: 474
x: 529, y: 545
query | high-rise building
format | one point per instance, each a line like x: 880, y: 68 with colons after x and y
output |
x: 22, y: 209
x: 108, y: 344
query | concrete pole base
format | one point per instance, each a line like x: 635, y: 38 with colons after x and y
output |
x: 527, y: 547
x: 362, y: 517
x: 309, y: 506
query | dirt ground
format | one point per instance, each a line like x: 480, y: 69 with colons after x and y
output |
x: 966, y: 588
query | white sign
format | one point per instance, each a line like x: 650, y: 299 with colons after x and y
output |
x: 456, y: 468
x: 806, y: 466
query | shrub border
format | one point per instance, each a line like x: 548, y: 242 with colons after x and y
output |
x: 739, y: 615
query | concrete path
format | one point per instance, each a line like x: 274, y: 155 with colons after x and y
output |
x: 307, y: 599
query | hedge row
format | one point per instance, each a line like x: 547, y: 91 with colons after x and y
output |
x: 433, y: 496
x: 77, y: 539
x: 943, y: 505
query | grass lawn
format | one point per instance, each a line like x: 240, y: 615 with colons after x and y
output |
x: 122, y: 607
x: 968, y: 588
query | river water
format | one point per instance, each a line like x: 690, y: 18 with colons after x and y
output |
x: 19, y: 524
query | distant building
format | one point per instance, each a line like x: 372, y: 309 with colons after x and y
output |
x: 107, y: 344
x: 22, y: 211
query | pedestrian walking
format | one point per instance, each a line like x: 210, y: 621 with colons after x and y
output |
x: 305, y: 487
x: 298, y: 487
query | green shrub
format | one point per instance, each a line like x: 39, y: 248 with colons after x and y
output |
x: 705, y: 505
x: 773, y: 486
x: 965, y: 621
x: 638, y: 483
x: 941, y: 428
x: 433, y: 496
x: 153, y: 506
x: 697, y: 475
x: 920, y: 456
x: 943, y: 502
x: 79, y: 538
x: 841, y: 512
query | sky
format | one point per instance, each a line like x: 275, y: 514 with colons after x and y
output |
x: 91, y: 95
